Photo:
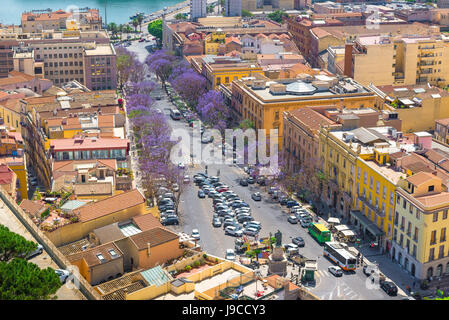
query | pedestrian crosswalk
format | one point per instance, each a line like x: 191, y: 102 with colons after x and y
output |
x: 341, y: 290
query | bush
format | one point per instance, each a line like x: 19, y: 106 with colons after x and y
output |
x: 188, y: 268
x: 205, y: 256
x: 196, y: 264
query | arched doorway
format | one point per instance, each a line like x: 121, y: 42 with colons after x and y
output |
x: 412, y: 271
x: 400, y: 258
x: 394, y: 254
x: 406, y: 264
x: 439, y: 270
x: 429, y: 272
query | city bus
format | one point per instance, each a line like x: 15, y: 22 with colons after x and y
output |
x: 340, y: 255
x: 320, y: 232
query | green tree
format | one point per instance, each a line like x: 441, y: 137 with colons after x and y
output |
x: 123, y: 63
x: 127, y: 29
x: 155, y: 29
x: 23, y: 280
x: 139, y: 19
x: 135, y: 23
x: 112, y: 27
x: 13, y: 245
x: 277, y: 15
x: 246, y: 124
x: 180, y: 16
x: 246, y: 13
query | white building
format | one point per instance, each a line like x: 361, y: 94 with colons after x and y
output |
x: 233, y: 8
x: 198, y: 9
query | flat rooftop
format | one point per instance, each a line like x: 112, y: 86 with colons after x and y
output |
x: 100, y: 50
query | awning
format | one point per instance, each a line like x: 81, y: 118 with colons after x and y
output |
x: 342, y: 227
x: 368, y: 224
x: 348, y: 233
x: 333, y: 220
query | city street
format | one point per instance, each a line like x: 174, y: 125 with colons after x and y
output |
x: 196, y: 213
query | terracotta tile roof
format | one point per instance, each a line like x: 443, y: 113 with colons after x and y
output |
x: 418, y: 166
x: 94, y: 189
x: 108, y: 233
x: 12, y: 104
x: 119, y: 294
x: 32, y: 207
x: 106, y: 121
x: 110, y: 205
x: 91, y: 255
x: 232, y: 39
x: 53, y: 16
x: 70, y: 165
x: 420, y: 178
x: 319, y: 32
x: 443, y: 122
x: 440, y: 200
x: 154, y: 237
x: 309, y: 118
x: 397, y: 155
x: 146, y: 222
x: 6, y: 174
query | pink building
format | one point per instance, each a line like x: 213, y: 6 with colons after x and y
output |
x: 100, y: 67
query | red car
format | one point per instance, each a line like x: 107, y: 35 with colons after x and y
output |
x: 222, y: 189
x: 141, y: 40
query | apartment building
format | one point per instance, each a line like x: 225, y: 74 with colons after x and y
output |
x: 62, y: 56
x: 263, y: 100
x: 198, y: 9
x: 270, y: 5
x: 233, y: 8
x: 37, y: 21
x: 328, y: 7
x: 223, y: 70
x: 402, y: 60
x: 418, y: 106
x: 7, y: 56
x: 420, y: 243
x: 442, y: 130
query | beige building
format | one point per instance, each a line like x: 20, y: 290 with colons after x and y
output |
x: 402, y: 60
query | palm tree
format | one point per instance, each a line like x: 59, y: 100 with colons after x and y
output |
x: 139, y: 20
x: 135, y: 23
x: 121, y: 28
x: 128, y: 29
x: 112, y: 27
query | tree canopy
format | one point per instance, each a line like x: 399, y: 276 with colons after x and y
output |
x: 155, y: 29
x: 23, y: 280
x: 277, y: 15
x: 13, y: 245
x: 246, y: 13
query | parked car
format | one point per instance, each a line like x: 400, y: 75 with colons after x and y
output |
x: 212, y: 193
x: 243, y: 182
x: 299, y: 241
x: 291, y: 248
x: 201, y: 194
x: 175, y: 187
x: 390, y: 288
x: 230, y: 254
x: 222, y: 189
x: 305, y: 223
x: 63, y: 275
x: 256, y: 196
x: 244, y: 218
x: 230, y: 222
x: 34, y: 253
x: 336, y: 271
x: 253, y: 224
x: 250, y: 180
x: 233, y: 231
x: 271, y: 190
x: 251, y: 232
x: 216, y: 222
x: 195, y: 234
x: 186, y: 179
x: 167, y: 221
x: 292, y: 219
x: 292, y: 203
x: 283, y: 201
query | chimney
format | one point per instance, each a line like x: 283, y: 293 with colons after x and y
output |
x: 148, y: 248
x: 348, y: 60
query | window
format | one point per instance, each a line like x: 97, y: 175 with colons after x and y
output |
x: 384, y: 192
x: 441, y: 252
x: 365, y: 177
x: 431, y: 254
x: 431, y: 188
x: 113, y: 253
x: 444, y: 214
x: 415, y: 236
x: 101, y: 257
x: 433, y: 237
x: 377, y: 187
x: 370, y: 182
x: 358, y: 173
x: 443, y: 235
x: 435, y: 217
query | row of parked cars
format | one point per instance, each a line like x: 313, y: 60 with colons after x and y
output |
x: 166, y: 205
x: 229, y: 211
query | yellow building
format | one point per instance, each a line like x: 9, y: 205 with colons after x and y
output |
x: 263, y: 101
x: 420, y: 243
x: 213, y: 42
x: 224, y: 70
x: 401, y: 60
x: 10, y: 112
x: 362, y: 176
x: 418, y: 106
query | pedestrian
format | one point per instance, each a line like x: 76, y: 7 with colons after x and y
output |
x: 414, y: 284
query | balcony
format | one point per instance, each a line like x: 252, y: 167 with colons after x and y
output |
x: 372, y: 207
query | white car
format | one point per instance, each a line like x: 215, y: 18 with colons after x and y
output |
x: 195, y: 234
x: 336, y: 271
x: 291, y: 248
x: 230, y: 255
x: 63, y: 274
x: 175, y: 187
x: 233, y: 231
x: 186, y: 179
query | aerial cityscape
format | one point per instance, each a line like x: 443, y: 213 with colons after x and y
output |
x: 224, y: 150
